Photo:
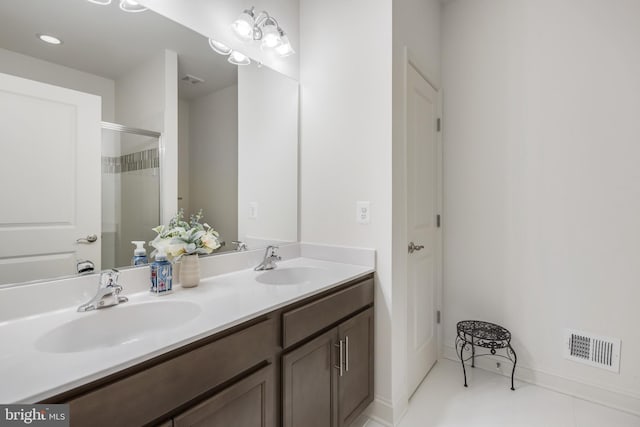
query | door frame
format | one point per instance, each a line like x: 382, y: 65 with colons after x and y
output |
x: 410, y: 61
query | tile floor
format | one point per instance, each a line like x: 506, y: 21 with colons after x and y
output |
x: 442, y: 401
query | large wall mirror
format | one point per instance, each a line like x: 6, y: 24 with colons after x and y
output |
x: 87, y: 127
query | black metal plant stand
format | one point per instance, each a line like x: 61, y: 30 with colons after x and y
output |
x: 476, y: 333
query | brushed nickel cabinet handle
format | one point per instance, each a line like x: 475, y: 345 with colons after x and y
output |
x: 340, y: 366
x: 346, y: 351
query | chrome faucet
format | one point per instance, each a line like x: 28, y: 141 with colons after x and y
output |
x: 108, y: 292
x: 240, y: 245
x: 270, y: 258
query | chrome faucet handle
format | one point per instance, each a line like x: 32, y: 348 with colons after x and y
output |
x: 271, y: 251
x: 109, y: 278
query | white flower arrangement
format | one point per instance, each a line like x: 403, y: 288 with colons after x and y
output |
x: 185, y: 238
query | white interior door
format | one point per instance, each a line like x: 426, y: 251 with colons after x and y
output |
x: 50, y: 173
x: 422, y: 227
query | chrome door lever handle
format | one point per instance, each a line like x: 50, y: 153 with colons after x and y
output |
x: 91, y: 238
x: 414, y: 248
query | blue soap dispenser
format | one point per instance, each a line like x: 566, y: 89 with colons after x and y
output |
x: 161, y: 274
x: 139, y: 254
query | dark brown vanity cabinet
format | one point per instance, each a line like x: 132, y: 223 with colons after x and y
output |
x: 355, y: 386
x: 328, y: 381
x: 211, y: 376
x: 249, y: 402
x: 307, y: 364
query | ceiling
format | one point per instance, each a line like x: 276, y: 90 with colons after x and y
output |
x: 105, y: 41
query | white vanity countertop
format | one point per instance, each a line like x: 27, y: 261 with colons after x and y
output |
x: 28, y: 375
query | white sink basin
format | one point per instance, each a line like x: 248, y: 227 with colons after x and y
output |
x: 291, y: 276
x: 118, y: 325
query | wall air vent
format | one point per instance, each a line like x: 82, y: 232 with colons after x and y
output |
x: 192, y: 79
x: 593, y: 350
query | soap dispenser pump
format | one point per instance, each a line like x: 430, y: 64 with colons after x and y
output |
x: 139, y: 254
x: 161, y: 274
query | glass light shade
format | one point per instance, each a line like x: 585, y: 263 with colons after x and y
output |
x: 284, y: 48
x: 270, y: 36
x: 243, y: 26
x: 238, y: 58
x: 100, y: 2
x: 218, y: 47
x: 131, y: 6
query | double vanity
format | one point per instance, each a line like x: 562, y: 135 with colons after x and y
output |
x: 291, y: 346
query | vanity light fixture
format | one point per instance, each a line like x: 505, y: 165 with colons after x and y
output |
x: 235, y: 57
x: 245, y: 24
x: 131, y: 6
x: 284, y: 48
x: 47, y: 38
x: 238, y: 58
x: 270, y: 35
x: 264, y: 28
x: 220, y: 48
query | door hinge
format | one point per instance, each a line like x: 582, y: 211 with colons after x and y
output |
x: 438, y: 316
x: 438, y: 124
x: 438, y: 220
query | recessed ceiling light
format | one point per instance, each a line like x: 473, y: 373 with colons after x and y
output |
x: 101, y: 2
x: 49, y: 39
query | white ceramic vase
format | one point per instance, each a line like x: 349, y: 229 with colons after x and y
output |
x: 190, y: 271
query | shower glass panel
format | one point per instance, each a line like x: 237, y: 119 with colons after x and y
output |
x: 130, y: 191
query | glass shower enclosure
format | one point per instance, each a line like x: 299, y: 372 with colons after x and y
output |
x: 130, y: 191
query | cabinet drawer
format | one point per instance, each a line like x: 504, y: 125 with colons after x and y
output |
x: 153, y: 392
x: 305, y: 321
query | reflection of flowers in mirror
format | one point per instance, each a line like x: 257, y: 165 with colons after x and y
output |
x: 180, y: 237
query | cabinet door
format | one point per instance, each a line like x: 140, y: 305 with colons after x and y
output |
x: 309, y: 383
x: 355, y: 386
x: 247, y: 403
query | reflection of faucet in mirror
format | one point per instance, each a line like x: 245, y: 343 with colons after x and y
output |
x: 108, y: 292
x: 240, y: 246
x: 270, y: 258
x: 85, y: 266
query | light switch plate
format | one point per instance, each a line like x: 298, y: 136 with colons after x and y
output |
x: 253, y: 210
x: 363, y: 213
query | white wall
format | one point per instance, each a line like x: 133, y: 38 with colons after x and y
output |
x: 213, y: 160
x: 147, y: 98
x: 345, y: 77
x: 183, y: 155
x: 267, y: 155
x: 140, y: 94
x: 416, y: 37
x: 542, y: 184
x: 48, y: 72
x: 214, y: 19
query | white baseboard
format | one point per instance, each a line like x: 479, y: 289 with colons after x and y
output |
x: 380, y: 411
x: 592, y: 393
x: 384, y: 412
